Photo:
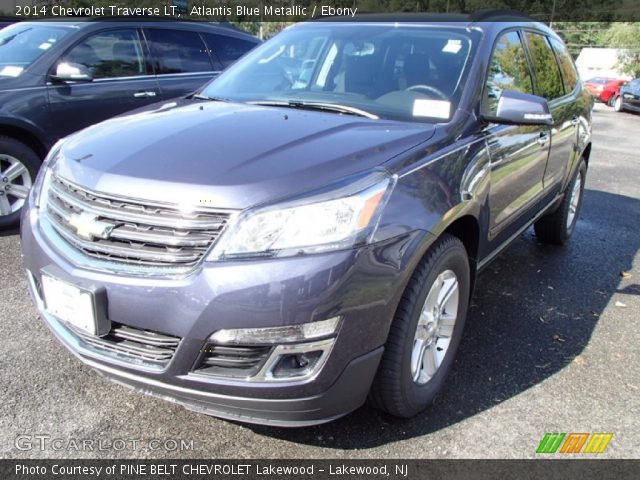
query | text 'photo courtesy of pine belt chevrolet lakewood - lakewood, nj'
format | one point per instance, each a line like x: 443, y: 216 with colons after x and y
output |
x: 303, y: 233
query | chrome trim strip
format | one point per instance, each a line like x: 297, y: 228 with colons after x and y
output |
x: 144, y: 201
x: 81, y: 260
x: 121, y: 214
x: 123, y: 251
x: 189, y: 240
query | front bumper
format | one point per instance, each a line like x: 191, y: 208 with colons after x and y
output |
x: 362, y: 286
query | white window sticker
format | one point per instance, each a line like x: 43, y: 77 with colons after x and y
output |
x: 44, y: 46
x: 431, y: 108
x: 11, y: 71
x: 452, y: 46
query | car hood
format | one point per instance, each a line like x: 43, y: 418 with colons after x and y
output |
x: 229, y: 155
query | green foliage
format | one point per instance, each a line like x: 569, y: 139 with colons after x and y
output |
x: 626, y: 37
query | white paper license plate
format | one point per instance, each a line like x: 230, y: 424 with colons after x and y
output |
x: 69, y: 304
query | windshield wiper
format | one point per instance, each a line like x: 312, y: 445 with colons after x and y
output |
x: 197, y: 96
x: 327, y: 107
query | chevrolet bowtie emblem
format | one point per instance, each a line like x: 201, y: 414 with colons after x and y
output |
x: 89, y: 227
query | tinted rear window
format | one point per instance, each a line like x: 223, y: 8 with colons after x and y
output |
x: 178, y: 51
x: 227, y: 49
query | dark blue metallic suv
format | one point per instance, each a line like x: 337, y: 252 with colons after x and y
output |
x: 59, y: 77
x: 305, y: 232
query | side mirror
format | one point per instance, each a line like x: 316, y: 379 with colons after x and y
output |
x: 72, y: 72
x: 516, y: 108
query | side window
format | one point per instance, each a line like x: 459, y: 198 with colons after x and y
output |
x: 568, y: 68
x: 508, y: 70
x: 545, y: 67
x: 178, y: 51
x: 227, y: 49
x: 110, y: 54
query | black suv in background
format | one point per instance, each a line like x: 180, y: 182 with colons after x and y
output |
x: 59, y: 77
x: 629, y: 97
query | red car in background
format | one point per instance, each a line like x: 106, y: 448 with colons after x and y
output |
x: 595, y: 85
x: 610, y: 91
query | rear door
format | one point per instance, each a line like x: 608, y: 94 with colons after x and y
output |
x: 123, y: 80
x: 181, y: 61
x: 562, y: 104
x: 518, y: 153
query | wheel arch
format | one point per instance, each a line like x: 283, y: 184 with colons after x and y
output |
x: 24, y: 134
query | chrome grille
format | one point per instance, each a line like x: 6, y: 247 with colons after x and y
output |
x: 133, y: 345
x: 137, y: 233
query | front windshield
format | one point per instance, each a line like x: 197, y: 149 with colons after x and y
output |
x: 408, y: 73
x: 22, y: 44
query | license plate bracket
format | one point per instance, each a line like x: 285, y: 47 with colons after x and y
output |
x: 79, y: 304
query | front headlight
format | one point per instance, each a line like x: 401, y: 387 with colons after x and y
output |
x: 332, y: 220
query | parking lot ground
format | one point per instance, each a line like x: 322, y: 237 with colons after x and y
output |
x: 552, y: 344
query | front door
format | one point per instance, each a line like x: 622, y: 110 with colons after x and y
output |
x: 122, y: 81
x: 518, y: 153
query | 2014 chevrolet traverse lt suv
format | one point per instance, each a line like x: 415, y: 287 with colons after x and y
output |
x: 59, y: 77
x: 305, y: 232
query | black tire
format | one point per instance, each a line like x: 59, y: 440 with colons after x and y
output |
x: 394, y: 389
x: 618, y: 104
x: 555, y: 227
x: 612, y: 100
x: 25, y: 155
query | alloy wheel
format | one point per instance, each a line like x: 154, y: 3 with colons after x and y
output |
x: 574, y: 202
x: 435, y: 327
x: 15, y: 182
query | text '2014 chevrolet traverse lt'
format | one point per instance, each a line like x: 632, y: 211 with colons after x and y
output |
x: 304, y: 233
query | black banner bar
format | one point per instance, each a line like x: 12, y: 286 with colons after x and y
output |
x: 542, y: 469
x: 298, y: 10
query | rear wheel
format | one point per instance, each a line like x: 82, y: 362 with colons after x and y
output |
x: 612, y: 100
x: 558, y: 227
x: 425, y: 332
x: 18, y: 168
x: 618, y: 104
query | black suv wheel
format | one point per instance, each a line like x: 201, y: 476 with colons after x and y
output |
x: 18, y: 168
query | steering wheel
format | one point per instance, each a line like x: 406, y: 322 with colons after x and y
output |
x: 428, y: 89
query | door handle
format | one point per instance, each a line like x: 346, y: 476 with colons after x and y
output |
x: 543, y: 139
x: 144, y: 94
x: 575, y: 121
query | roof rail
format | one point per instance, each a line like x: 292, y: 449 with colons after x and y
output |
x: 500, y: 15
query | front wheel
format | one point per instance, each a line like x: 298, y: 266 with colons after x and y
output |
x: 612, y: 101
x: 558, y: 227
x: 425, y: 332
x: 18, y: 168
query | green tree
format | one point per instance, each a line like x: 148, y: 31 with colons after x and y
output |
x: 626, y: 37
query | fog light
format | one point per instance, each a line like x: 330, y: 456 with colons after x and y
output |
x: 301, y: 361
x: 296, y: 365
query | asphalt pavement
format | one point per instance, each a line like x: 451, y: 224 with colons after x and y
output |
x: 552, y: 344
